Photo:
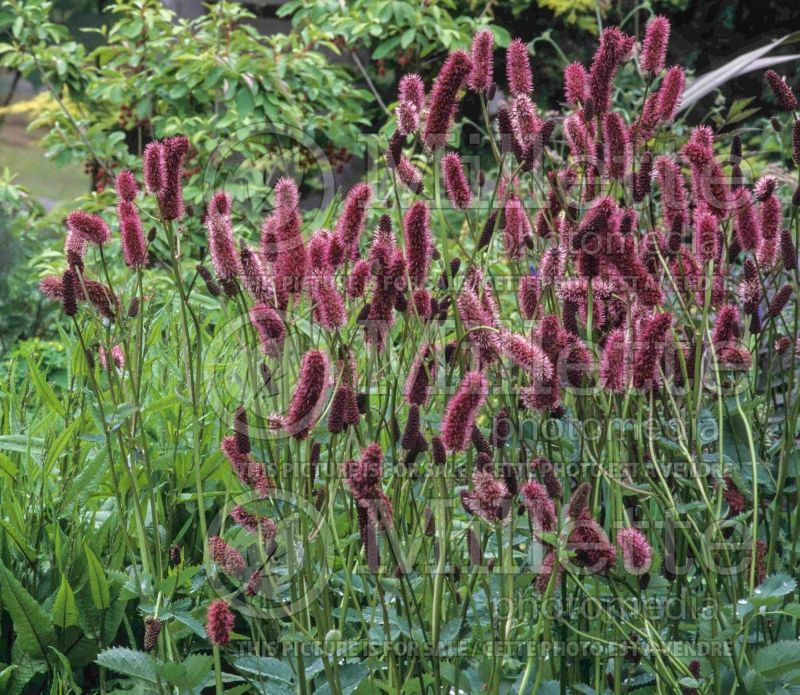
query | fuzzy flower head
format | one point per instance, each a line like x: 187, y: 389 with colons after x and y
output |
x: 614, y: 49
x: 443, y: 101
x: 782, y: 91
x: 518, y: 68
x: 309, y: 394
x: 462, y: 410
x: 412, y: 90
x: 219, y: 623
x: 418, y: 241
x: 576, y: 84
x: 221, y: 245
x: 637, y: 555
x: 353, y: 218
x: 91, y: 228
x: 134, y: 244
x: 489, y: 498
x: 455, y: 181
x: 125, y: 185
x: 153, y: 167
x: 654, y: 47
x: 480, y: 77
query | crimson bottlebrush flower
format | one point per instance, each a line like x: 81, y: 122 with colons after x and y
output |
x: 706, y: 235
x: 409, y: 175
x: 249, y: 472
x: 329, y: 310
x: 782, y: 91
x: 455, y: 181
x: 363, y: 479
x: 68, y: 292
x: 353, y: 218
x: 779, y: 301
x: 764, y: 187
x: 782, y: 343
x: 407, y: 122
x: 525, y: 124
x: 727, y: 326
x: 516, y: 228
x: 788, y: 251
x: 642, y: 178
x: 125, y: 185
x: 617, y: 145
x: 540, y: 506
x: 220, y: 238
x: 257, y: 278
x: 269, y: 238
x: 579, y: 138
x: 245, y: 519
x: 551, y: 268
x: 549, y: 478
x: 579, y: 501
x: 317, y: 250
x: 767, y: 252
x: 654, y: 46
x: 508, y: 140
x: 269, y: 326
x: 134, y: 245
x: 358, y: 278
x: 438, y: 451
x: 290, y: 264
x: 219, y: 623
x: 418, y: 241
x: 481, y: 444
x: 211, y: 285
x: 613, y: 361
x: 648, y: 355
x: 669, y: 94
x: 412, y: 439
x: 462, y: 410
x: 770, y: 213
x: 734, y: 498
x: 91, y: 227
x: 637, y: 555
x: 226, y: 557
x: 420, y: 376
x: 170, y: 195
x: 336, y: 252
x: 480, y: 77
x: 489, y: 498
x: 673, y: 190
x: 287, y: 195
x: 443, y: 100
x: 422, y: 303
x: 253, y: 586
x: 747, y: 232
x: 576, y: 84
x: 761, y: 561
x: 343, y: 411
x: 153, y: 168
x: 488, y: 230
x: 527, y: 355
x: 75, y: 249
x: 614, y: 48
x: 309, y: 394
x: 518, y: 68
x: 476, y: 319
x: 100, y: 296
x: 550, y: 571
x: 591, y: 546
x: 796, y: 142
x: 152, y: 629
x: 412, y: 90
x: 528, y: 295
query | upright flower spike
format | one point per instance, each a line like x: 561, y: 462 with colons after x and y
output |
x: 540, y: 506
x: 747, y: 230
x: 69, y: 292
x: 134, y: 244
x: 617, y: 147
x: 420, y: 376
x: 517, y: 228
x: 480, y: 77
x: 221, y: 245
x: 668, y: 97
x: 782, y: 91
x: 706, y: 235
x: 153, y: 167
x: 614, y: 372
x: 637, y: 555
x: 527, y: 355
x: 290, y: 263
x: 219, y: 623
x: 309, y: 394
x: 226, y: 557
x: 654, y: 47
x: 489, y: 498
x: 329, y: 310
x: 418, y: 241
x: 455, y: 181
x: 518, y: 68
x: 576, y: 84
x: 125, y: 185
x: 353, y: 218
x: 443, y: 101
x: 528, y: 293
x: 614, y: 49
x: 269, y: 326
x: 170, y: 196
x: 462, y: 410
x: 412, y: 90
x: 652, y: 341
x: 91, y: 228
x: 409, y: 175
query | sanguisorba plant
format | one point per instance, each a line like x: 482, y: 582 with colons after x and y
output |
x: 536, y: 430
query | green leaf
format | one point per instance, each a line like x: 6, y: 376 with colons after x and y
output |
x: 187, y: 674
x: 98, y: 583
x: 773, y: 589
x: 778, y: 658
x: 65, y: 612
x: 129, y: 662
x: 44, y: 389
x: 32, y: 626
x: 265, y: 667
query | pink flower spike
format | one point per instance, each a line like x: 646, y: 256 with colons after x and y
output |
x: 443, y: 101
x: 353, y: 218
x: 455, y: 181
x: 219, y: 623
x: 654, y: 47
x: 670, y: 93
x: 412, y: 90
x: 125, y: 185
x: 462, y: 410
x: 617, y: 147
x: 576, y: 84
x: 221, y: 246
x: 134, y: 245
x: 518, y: 68
x: 91, y: 227
x: 480, y: 78
x: 309, y: 395
x: 153, y: 167
x: 418, y: 241
x: 636, y: 552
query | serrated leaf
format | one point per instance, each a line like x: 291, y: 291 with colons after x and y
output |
x: 98, y: 583
x: 776, y: 659
x: 32, y: 626
x: 773, y: 589
x: 187, y: 674
x: 65, y: 612
x: 265, y: 667
x: 129, y: 662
